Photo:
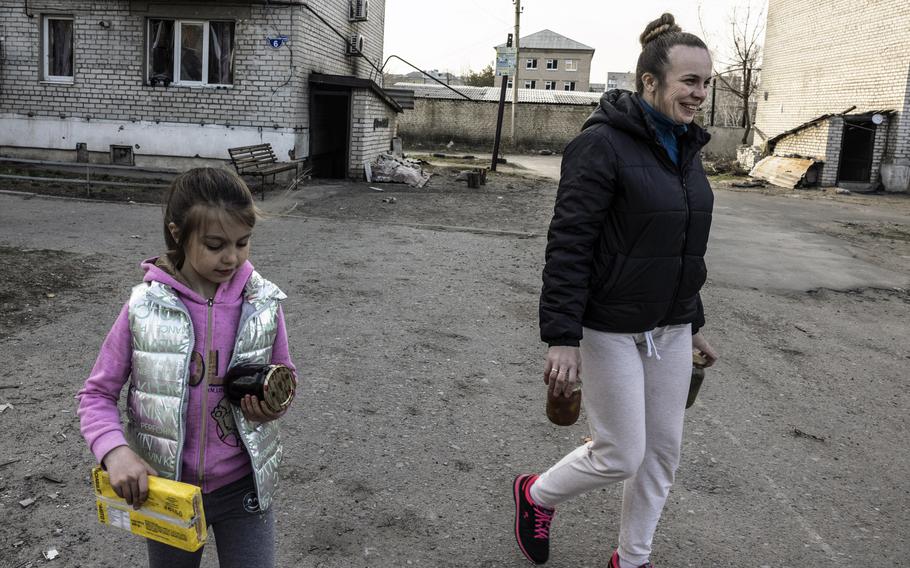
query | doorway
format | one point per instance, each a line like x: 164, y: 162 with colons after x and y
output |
x: 856, y: 152
x: 330, y: 132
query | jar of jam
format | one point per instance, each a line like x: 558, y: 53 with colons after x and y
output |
x: 562, y: 410
x: 273, y: 385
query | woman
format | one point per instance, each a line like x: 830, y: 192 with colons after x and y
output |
x: 620, y: 298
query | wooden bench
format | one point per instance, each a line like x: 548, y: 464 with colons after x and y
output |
x: 259, y: 160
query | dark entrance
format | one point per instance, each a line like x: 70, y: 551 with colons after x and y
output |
x: 856, y: 152
x: 330, y: 132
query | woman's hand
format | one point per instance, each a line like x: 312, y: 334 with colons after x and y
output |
x: 129, y: 475
x: 562, y: 369
x: 257, y: 411
x: 699, y: 342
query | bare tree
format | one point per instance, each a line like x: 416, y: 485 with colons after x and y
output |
x: 742, y: 56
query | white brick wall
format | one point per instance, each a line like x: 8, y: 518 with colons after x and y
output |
x: 270, y: 93
x: 369, y: 138
x: 825, y: 60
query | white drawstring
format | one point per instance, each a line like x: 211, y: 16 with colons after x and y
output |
x: 649, y: 339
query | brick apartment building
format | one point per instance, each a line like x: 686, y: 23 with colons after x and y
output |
x: 549, y: 61
x: 840, y: 95
x: 178, y: 81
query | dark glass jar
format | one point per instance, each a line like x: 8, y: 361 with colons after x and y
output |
x: 699, y: 360
x: 274, y: 385
x: 564, y: 411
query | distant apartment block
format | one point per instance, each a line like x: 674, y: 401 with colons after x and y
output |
x: 624, y: 81
x: 552, y: 62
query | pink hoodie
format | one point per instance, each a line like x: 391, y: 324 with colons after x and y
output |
x: 223, y: 459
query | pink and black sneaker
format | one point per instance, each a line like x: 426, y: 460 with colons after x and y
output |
x: 532, y: 522
x: 614, y: 562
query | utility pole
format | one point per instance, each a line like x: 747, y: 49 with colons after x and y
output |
x: 517, y: 66
x: 502, y: 104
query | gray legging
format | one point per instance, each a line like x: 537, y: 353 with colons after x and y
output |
x: 244, y: 536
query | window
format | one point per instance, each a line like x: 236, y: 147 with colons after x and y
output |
x: 530, y: 64
x: 568, y: 85
x: 509, y: 84
x: 571, y: 65
x: 549, y: 85
x: 530, y: 84
x: 552, y: 64
x: 611, y: 84
x: 58, y: 49
x: 190, y: 52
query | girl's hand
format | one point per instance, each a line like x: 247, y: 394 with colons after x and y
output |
x: 562, y: 369
x: 129, y: 475
x: 699, y: 342
x: 258, y: 411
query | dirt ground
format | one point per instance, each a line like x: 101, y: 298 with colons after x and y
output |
x: 413, y: 323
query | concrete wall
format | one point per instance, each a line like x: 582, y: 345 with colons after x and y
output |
x: 539, y: 126
x: 109, y: 102
x: 724, y: 142
x: 857, y: 54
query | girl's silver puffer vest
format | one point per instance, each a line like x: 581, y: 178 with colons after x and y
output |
x: 163, y: 343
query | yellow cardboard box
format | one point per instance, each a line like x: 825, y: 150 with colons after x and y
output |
x: 172, y: 514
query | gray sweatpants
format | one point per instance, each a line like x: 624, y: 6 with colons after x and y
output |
x: 634, y: 402
x: 244, y: 535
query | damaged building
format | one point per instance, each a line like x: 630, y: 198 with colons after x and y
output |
x: 172, y: 83
x: 838, y: 95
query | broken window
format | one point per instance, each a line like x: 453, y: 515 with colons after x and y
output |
x: 194, y: 52
x: 58, y: 48
x: 221, y: 53
x: 161, y: 52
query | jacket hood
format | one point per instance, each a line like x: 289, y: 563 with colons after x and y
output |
x: 622, y: 110
x: 160, y: 269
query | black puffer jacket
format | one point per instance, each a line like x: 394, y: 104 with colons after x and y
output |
x: 626, y: 246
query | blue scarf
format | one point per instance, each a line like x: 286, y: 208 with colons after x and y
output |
x: 668, y: 132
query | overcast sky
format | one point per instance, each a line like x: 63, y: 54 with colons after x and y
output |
x: 460, y: 35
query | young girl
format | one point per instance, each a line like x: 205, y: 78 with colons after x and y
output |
x: 200, y: 310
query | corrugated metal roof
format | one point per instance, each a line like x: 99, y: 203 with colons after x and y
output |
x: 547, y: 39
x: 781, y: 171
x: 404, y: 97
x: 492, y: 94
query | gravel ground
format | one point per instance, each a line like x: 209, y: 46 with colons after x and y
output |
x: 413, y: 323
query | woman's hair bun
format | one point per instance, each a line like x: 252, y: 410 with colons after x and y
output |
x: 666, y: 24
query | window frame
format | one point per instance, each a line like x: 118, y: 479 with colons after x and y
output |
x: 178, y: 49
x: 568, y: 85
x: 530, y: 83
x: 571, y: 65
x: 45, y: 47
x: 552, y: 64
x: 531, y: 63
x: 549, y: 85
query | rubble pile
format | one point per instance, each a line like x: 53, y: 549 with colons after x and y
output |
x: 388, y: 168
